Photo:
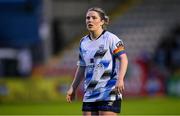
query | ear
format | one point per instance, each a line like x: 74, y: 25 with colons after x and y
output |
x: 102, y: 22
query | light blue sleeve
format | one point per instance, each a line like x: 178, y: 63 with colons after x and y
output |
x: 117, y: 46
x: 81, y: 61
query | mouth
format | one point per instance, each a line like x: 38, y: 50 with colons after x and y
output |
x: 90, y: 25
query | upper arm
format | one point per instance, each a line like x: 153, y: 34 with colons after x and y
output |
x: 123, y: 57
x: 117, y: 46
x: 82, y: 68
x: 80, y: 71
x: 81, y: 61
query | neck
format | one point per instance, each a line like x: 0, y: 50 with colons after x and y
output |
x: 96, y: 34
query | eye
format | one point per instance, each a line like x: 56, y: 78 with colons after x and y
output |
x: 94, y: 17
x: 88, y: 17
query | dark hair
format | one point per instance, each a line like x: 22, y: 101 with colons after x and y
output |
x: 102, y: 14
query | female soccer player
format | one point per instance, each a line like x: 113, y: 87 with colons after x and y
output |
x: 102, y: 64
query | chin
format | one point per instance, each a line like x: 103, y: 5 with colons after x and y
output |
x: 89, y: 29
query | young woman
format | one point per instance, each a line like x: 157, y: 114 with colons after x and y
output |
x: 102, y: 64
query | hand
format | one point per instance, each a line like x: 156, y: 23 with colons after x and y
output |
x: 70, y: 95
x: 119, y: 87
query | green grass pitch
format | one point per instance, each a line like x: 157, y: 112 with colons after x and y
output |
x: 135, y: 106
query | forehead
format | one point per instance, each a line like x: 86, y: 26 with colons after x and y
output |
x: 92, y: 13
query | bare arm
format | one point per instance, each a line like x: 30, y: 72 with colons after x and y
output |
x: 122, y: 71
x: 79, y: 75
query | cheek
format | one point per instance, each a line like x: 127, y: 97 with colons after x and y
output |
x: 98, y: 23
x: 86, y: 21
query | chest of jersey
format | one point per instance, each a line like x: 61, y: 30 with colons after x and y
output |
x: 94, y: 50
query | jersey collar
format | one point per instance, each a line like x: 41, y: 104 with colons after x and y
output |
x: 99, y: 35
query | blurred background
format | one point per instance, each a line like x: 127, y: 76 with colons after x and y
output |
x: 39, y: 42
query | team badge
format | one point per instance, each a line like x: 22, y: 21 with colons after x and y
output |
x: 101, y: 48
x: 119, y: 44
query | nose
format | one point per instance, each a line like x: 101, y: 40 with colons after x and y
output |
x: 89, y: 19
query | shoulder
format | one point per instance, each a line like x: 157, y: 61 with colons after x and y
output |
x: 83, y: 39
x: 110, y: 35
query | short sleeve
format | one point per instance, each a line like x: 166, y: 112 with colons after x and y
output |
x: 81, y: 61
x: 117, y: 46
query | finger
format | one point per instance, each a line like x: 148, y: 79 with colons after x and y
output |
x: 68, y: 98
x: 121, y: 89
x: 118, y: 90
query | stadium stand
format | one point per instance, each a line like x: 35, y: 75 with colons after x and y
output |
x: 143, y: 26
x: 141, y: 29
x: 149, y: 29
x: 71, y: 24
